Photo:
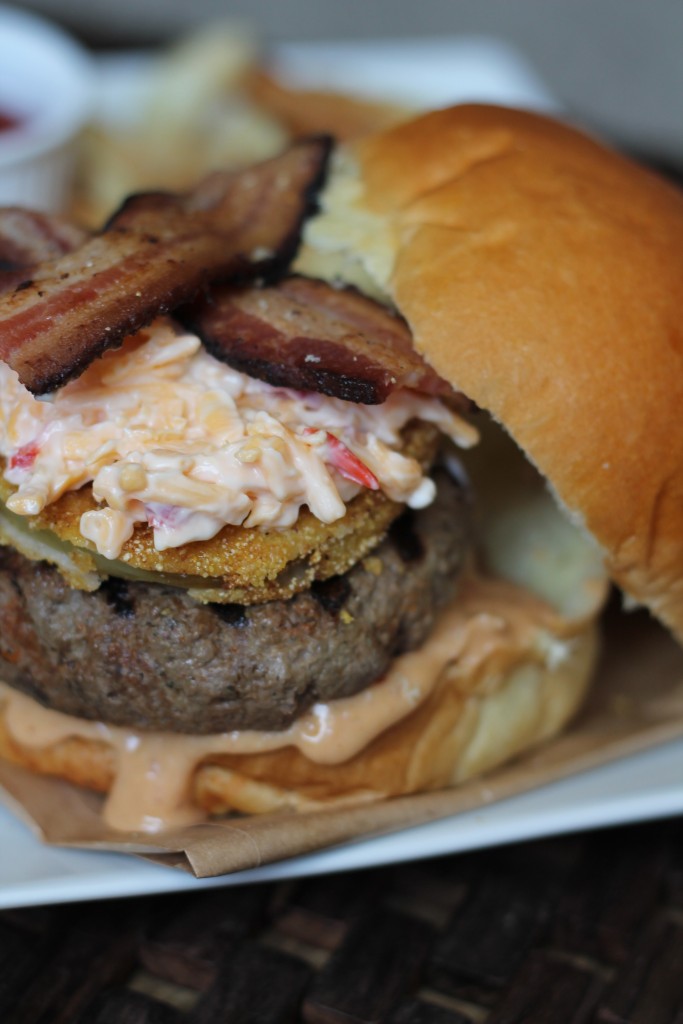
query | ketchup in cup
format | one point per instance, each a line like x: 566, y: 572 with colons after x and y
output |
x: 9, y: 122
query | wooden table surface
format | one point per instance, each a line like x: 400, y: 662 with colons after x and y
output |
x: 580, y: 929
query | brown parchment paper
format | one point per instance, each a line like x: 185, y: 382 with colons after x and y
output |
x: 636, y: 704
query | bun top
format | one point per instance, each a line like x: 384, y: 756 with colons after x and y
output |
x: 541, y: 274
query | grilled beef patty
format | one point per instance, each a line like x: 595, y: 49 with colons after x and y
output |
x: 150, y: 657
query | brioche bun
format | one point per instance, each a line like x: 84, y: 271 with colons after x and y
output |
x: 541, y: 274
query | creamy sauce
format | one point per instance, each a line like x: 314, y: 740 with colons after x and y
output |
x: 488, y: 629
x: 170, y: 436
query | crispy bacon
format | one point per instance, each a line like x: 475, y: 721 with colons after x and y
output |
x: 28, y: 238
x: 156, y: 252
x: 305, y: 334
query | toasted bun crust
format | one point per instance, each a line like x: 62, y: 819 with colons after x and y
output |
x: 542, y: 275
x: 457, y: 733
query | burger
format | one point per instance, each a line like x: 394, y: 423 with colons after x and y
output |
x: 269, y: 540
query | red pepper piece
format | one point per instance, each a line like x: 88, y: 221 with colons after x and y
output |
x: 25, y: 456
x: 349, y: 465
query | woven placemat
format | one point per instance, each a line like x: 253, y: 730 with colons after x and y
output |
x: 566, y: 931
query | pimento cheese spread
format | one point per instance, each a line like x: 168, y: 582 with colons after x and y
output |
x: 170, y: 436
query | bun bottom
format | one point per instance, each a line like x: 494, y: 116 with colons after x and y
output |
x: 460, y: 731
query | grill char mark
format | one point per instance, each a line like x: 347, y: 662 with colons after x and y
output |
x: 232, y: 614
x: 119, y: 597
x: 332, y: 594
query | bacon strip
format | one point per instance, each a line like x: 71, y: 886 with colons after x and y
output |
x: 307, y: 335
x: 28, y: 238
x: 156, y: 252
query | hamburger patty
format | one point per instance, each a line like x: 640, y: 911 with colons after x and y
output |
x: 148, y: 656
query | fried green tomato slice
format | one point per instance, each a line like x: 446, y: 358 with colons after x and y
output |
x: 237, y: 566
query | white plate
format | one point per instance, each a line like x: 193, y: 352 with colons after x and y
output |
x: 638, y: 788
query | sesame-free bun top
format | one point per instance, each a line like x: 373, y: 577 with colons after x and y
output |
x: 542, y: 274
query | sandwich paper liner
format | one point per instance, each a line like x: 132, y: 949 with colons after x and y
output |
x: 636, y: 703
